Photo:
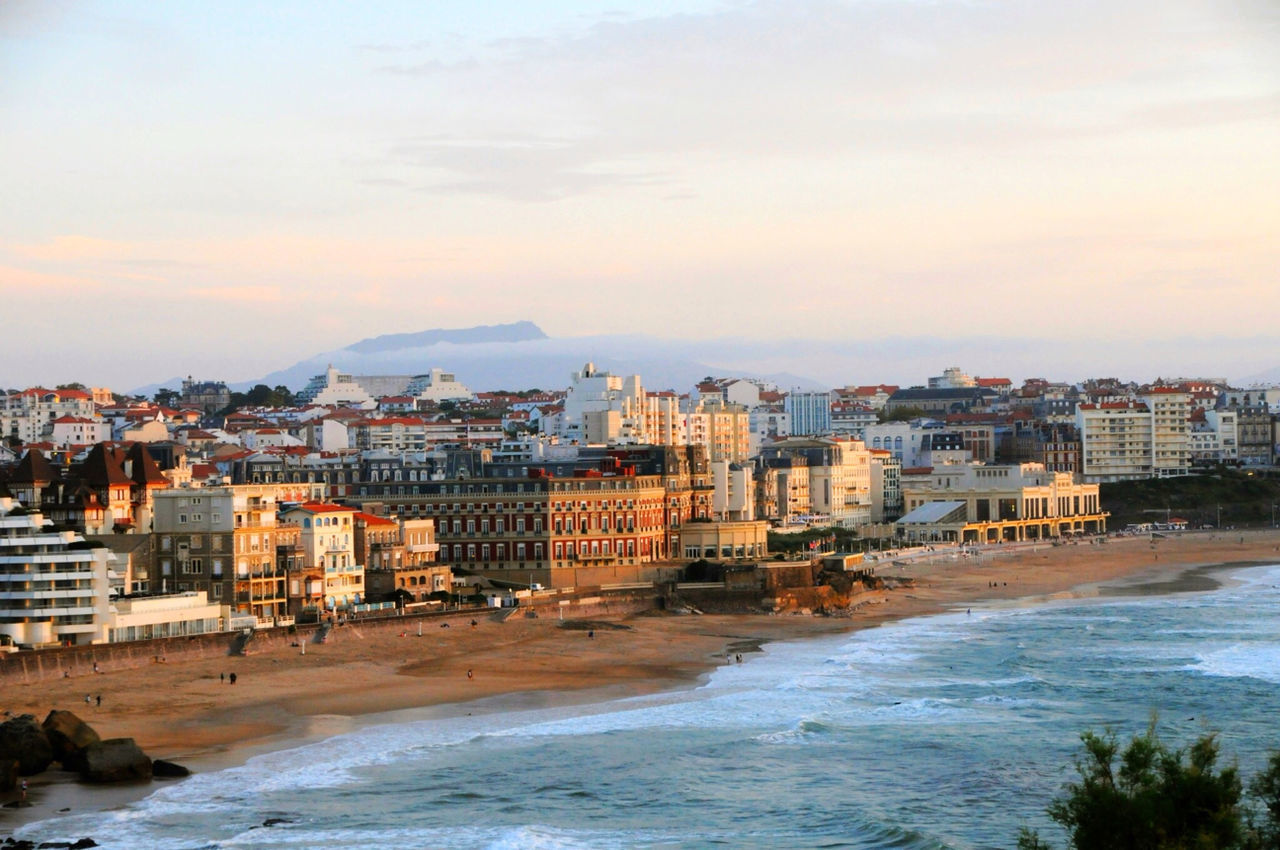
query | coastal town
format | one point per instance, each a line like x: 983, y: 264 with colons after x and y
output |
x: 202, y: 511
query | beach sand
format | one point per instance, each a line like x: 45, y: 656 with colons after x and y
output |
x: 186, y: 713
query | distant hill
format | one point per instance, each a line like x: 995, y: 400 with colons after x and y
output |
x: 515, y: 332
x: 520, y: 355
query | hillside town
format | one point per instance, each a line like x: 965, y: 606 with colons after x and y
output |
x: 201, y: 510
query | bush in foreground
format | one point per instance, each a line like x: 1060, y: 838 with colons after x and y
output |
x: 1155, y: 798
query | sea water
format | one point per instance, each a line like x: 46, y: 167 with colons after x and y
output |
x: 943, y: 731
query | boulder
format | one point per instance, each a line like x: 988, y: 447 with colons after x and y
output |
x: 22, y: 739
x: 115, y: 760
x: 69, y: 736
x: 8, y: 774
x: 168, y: 769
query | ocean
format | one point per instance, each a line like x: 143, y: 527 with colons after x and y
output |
x: 948, y: 731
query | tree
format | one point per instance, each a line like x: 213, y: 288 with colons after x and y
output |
x: 1155, y: 798
x: 166, y: 397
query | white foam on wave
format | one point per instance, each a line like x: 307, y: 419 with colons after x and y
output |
x: 1253, y: 660
x: 521, y: 837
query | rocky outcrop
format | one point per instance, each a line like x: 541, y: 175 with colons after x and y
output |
x: 22, y: 740
x: 168, y: 770
x: 115, y: 760
x: 8, y: 774
x: 70, y: 737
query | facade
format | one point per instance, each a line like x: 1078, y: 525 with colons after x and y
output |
x: 886, y: 486
x: 223, y: 541
x: 327, y: 540
x: 726, y: 541
x: 436, y: 386
x: 600, y: 408
x: 28, y: 416
x: 725, y: 431
x: 839, y: 473
x: 209, y: 396
x: 1115, y: 441
x: 782, y: 488
x: 809, y: 413
x: 54, y: 587
x: 152, y: 617
x: 1170, y: 430
x: 974, y: 503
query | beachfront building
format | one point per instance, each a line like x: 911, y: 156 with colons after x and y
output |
x: 222, y: 540
x: 153, y: 617
x: 327, y: 540
x: 975, y: 503
x: 581, y: 515
x: 54, y: 587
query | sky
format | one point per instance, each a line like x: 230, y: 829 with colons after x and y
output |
x: 222, y: 189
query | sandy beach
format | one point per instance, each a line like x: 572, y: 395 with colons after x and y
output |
x: 188, y: 713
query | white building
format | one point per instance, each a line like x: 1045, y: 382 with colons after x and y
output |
x: 601, y: 408
x: 1170, y: 430
x: 334, y: 387
x: 734, y: 497
x: 71, y: 431
x: 174, y: 615
x: 436, y: 386
x: 54, y: 588
x: 1115, y: 441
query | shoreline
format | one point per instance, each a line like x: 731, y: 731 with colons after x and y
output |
x: 184, y: 713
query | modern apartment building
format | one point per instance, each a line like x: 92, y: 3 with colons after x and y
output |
x: 54, y: 587
x: 1115, y: 441
x: 809, y: 413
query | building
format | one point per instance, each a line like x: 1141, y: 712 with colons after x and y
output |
x: 436, y: 386
x: 724, y: 429
x: 809, y: 413
x: 940, y: 401
x: 839, y: 472
x: 1115, y: 441
x: 154, y: 617
x: 886, y: 486
x: 973, y: 503
x: 54, y: 587
x: 223, y: 540
x: 1170, y: 430
x: 327, y: 539
x: 209, y: 396
x: 601, y: 408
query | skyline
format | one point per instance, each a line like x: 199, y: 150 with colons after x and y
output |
x: 243, y: 189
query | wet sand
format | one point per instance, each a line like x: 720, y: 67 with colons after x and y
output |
x: 186, y: 713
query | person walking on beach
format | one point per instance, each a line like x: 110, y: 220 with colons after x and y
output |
x: 22, y: 800
x: 232, y: 678
x: 470, y: 674
x: 87, y: 699
x: 99, y: 700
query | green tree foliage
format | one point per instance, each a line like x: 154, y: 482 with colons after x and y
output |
x: 166, y: 397
x: 262, y: 396
x: 1154, y: 798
